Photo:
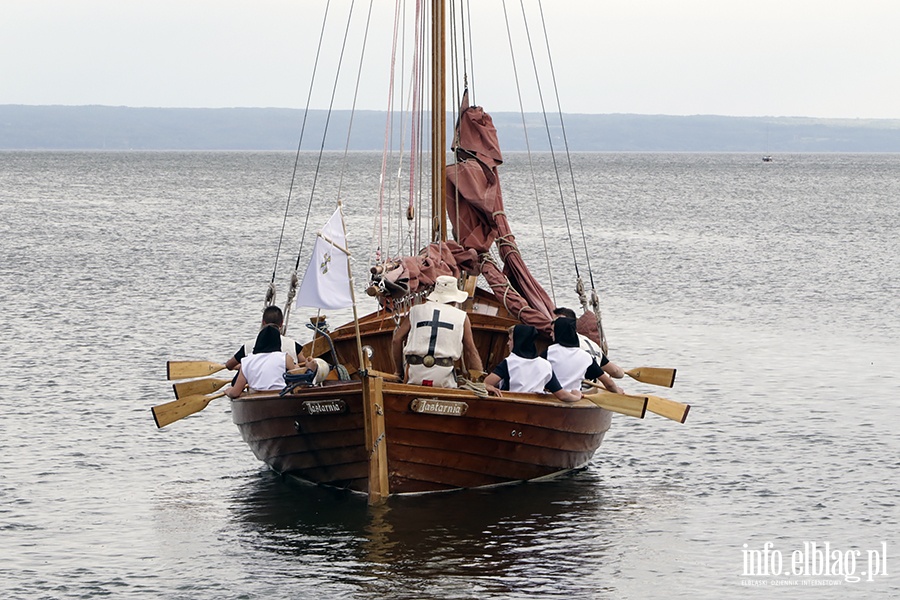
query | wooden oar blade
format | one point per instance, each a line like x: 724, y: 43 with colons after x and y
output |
x: 663, y: 407
x: 669, y: 409
x: 168, y: 413
x: 184, y: 369
x: 653, y: 375
x: 198, y: 386
x: 633, y: 406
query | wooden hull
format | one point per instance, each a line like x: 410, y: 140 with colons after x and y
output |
x: 379, y: 445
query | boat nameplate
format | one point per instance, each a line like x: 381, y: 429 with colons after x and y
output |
x: 433, y: 406
x: 324, y: 407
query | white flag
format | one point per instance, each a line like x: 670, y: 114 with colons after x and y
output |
x: 326, y: 283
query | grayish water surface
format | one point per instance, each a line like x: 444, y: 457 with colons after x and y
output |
x: 773, y: 288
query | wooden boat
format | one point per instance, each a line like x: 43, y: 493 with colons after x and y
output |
x: 369, y: 433
x: 381, y: 437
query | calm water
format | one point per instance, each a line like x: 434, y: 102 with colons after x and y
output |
x: 773, y: 288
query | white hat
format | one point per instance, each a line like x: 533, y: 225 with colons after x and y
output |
x: 446, y: 290
x: 322, y: 370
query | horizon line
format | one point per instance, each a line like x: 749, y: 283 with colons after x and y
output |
x: 374, y: 110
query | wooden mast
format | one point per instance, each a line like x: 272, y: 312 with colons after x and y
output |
x: 438, y: 123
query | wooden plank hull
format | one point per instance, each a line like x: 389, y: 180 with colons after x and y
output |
x: 497, y: 441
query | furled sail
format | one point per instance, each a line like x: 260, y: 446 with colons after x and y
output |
x: 475, y: 207
x: 411, y: 274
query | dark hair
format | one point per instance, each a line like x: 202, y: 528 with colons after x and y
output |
x: 268, y: 340
x: 564, y: 312
x: 272, y: 315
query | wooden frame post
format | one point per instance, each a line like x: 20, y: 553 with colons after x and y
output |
x: 376, y: 440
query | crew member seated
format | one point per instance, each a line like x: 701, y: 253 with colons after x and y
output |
x: 524, y: 371
x: 433, y: 336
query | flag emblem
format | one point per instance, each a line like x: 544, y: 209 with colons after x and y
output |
x: 326, y: 283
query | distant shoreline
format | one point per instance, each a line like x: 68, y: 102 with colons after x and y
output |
x: 25, y: 127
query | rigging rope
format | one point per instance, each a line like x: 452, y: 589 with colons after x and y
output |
x: 270, y: 293
x: 382, y: 247
x: 362, y: 56
x: 469, y: 68
x: 407, y: 110
x: 420, y: 100
x: 378, y: 225
x: 566, y: 145
x: 530, y: 159
x: 454, y: 51
x: 549, y: 138
x: 287, y: 308
x: 595, y: 300
x: 415, y: 124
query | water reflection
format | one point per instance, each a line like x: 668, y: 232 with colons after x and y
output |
x: 497, y: 542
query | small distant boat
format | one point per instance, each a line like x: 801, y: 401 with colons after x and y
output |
x: 767, y: 157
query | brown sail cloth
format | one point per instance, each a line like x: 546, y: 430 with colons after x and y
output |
x: 410, y: 274
x: 475, y: 208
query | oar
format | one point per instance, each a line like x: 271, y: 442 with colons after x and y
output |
x: 167, y: 413
x: 633, y: 406
x: 669, y: 409
x: 183, y: 369
x: 386, y: 376
x: 653, y: 375
x: 663, y: 407
x: 198, y: 386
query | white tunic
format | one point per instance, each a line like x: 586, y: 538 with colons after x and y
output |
x: 528, y: 374
x: 264, y: 371
x: 434, y: 376
x: 569, y: 364
x: 435, y: 329
x: 591, y: 347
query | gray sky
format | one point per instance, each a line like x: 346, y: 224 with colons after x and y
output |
x: 816, y: 58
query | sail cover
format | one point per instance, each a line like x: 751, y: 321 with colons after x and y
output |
x: 475, y: 207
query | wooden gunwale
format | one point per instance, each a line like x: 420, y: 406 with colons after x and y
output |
x: 511, y: 408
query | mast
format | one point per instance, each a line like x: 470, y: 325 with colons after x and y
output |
x: 438, y: 123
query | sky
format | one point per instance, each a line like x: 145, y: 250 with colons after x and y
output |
x: 812, y: 58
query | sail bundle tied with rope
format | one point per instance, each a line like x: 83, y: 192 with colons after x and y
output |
x: 475, y: 205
